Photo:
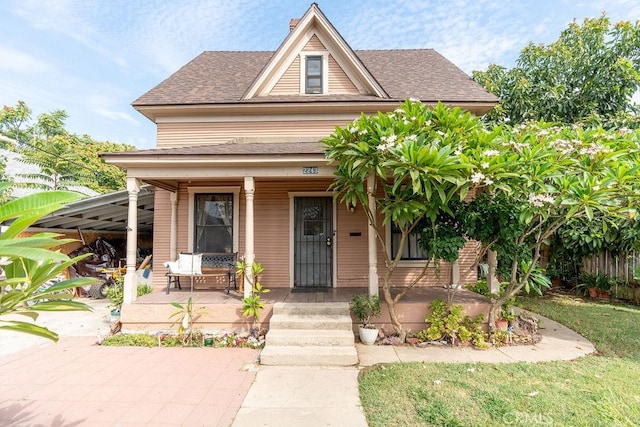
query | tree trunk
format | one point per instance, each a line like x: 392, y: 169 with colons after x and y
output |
x: 391, y: 305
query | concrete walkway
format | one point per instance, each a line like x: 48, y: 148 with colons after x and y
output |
x: 322, y: 396
x: 77, y: 382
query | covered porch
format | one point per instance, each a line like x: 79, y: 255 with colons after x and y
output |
x: 222, y: 311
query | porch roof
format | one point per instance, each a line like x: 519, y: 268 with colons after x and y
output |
x: 235, y: 147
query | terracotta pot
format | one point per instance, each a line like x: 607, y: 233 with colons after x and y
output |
x: 502, y: 324
x: 603, y: 294
x: 593, y: 292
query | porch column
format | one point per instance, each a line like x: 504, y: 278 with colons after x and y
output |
x: 492, y: 280
x: 249, y: 256
x: 371, y: 238
x: 173, y: 237
x: 130, y: 278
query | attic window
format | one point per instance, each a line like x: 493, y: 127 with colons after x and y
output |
x: 313, y: 74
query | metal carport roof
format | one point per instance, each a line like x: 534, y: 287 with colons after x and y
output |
x: 106, y: 212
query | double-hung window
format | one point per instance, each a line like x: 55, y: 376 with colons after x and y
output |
x: 213, y: 222
x: 411, y: 250
x: 313, y: 74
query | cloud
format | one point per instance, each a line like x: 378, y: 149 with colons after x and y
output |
x: 16, y: 61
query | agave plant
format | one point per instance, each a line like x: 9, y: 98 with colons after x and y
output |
x: 29, y: 263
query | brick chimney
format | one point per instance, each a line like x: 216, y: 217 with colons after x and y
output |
x: 293, y: 23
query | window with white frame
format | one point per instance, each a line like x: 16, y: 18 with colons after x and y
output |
x: 411, y: 250
x: 213, y: 222
x: 313, y: 74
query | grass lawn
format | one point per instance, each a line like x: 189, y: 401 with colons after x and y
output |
x: 599, y: 390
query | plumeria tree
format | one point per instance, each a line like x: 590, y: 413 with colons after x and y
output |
x: 416, y: 158
x: 540, y: 177
x: 528, y: 182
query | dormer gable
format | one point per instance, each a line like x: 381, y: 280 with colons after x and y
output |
x: 314, y: 60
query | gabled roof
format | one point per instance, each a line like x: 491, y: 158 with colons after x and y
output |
x: 225, y: 78
x: 222, y: 78
x: 314, y: 23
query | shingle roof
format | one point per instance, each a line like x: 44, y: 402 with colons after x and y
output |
x: 223, y: 77
x: 232, y: 148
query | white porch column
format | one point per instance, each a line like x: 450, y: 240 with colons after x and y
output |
x: 371, y: 239
x: 249, y: 255
x: 492, y: 280
x: 131, y: 278
x: 173, y: 237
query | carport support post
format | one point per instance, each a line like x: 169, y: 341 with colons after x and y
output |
x: 130, y: 278
x: 371, y: 238
x: 249, y: 256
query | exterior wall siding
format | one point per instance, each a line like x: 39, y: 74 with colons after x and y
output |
x: 172, y: 135
x: 339, y: 82
x: 289, y: 83
x: 314, y: 43
x: 273, y: 239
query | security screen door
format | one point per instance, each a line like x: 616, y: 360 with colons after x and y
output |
x: 313, y: 242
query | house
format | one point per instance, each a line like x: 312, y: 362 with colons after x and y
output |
x: 239, y: 166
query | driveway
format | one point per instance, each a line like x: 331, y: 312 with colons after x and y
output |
x: 66, y: 324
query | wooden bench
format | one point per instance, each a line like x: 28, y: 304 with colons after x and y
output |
x: 213, y: 264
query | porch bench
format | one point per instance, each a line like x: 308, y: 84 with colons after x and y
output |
x: 213, y: 265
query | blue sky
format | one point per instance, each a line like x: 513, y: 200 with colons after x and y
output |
x: 93, y: 58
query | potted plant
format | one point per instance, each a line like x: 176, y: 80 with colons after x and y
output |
x: 603, y: 285
x: 365, y: 308
x: 506, y: 315
x: 587, y: 284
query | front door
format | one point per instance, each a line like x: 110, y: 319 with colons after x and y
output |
x: 313, y: 242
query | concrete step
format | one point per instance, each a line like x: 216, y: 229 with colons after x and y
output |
x: 312, y: 308
x: 305, y: 337
x: 310, y: 322
x: 309, y: 356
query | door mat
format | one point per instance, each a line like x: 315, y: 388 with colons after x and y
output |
x: 309, y: 289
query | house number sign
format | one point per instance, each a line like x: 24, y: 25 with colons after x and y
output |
x: 310, y: 170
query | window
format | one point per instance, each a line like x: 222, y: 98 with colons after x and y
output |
x: 313, y: 74
x: 213, y: 222
x: 411, y: 250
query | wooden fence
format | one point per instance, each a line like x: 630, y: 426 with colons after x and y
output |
x: 622, y: 267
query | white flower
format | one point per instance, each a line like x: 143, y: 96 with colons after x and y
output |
x: 488, y: 181
x: 399, y: 111
x: 411, y: 138
x: 477, y: 177
x: 389, y: 139
x: 491, y: 153
x: 413, y: 100
x: 485, y: 165
x: 353, y: 129
x: 539, y: 200
x: 363, y: 132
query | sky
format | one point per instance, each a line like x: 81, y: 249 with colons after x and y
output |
x: 93, y: 58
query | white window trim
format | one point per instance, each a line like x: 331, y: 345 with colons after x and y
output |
x: 334, y: 267
x: 325, y: 71
x: 402, y: 263
x: 235, y: 190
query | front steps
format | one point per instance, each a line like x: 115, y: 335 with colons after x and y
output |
x: 310, y: 334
